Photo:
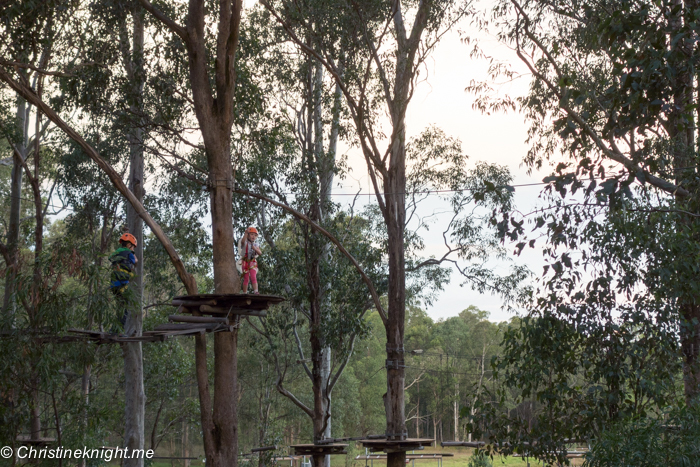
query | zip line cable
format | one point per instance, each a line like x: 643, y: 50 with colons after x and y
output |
x: 428, y: 192
x: 369, y: 193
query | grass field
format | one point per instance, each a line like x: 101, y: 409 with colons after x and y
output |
x: 461, y: 458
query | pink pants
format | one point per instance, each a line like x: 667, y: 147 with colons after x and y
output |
x: 250, y: 271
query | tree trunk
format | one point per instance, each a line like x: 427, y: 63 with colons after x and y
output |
x: 321, y: 170
x: 682, y: 135
x: 186, y: 442
x: 325, y: 378
x: 418, y: 410
x: 456, y: 412
x: 395, y: 221
x: 134, y: 394
x: 35, y: 420
x: 326, y: 173
x: 36, y: 292
x: 15, y: 210
x: 224, y: 429
x: 215, y: 117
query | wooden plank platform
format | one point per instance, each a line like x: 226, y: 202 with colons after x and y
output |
x: 226, y: 304
x: 25, y: 439
x: 197, y: 319
x: 319, y: 449
x: 220, y: 309
x: 396, y: 445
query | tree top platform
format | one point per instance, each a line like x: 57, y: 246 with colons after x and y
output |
x: 24, y: 439
x: 204, y: 313
x: 319, y: 449
x: 226, y: 304
x: 396, y: 445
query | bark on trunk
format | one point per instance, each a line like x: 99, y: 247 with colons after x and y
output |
x: 395, y: 220
x: 134, y: 393
x: 395, y: 401
x: 682, y: 135
x: 15, y: 208
x: 186, y: 443
x: 36, y: 291
x: 456, y: 412
x: 326, y: 174
x: 318, y: 169
x: 215, y: 116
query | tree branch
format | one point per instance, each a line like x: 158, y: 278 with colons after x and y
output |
x: 165, y: 19
x: 338, y: 373
x: 300, y: 349
x: 186, y: 278
x: 616, y: 156
x: 280, y: 374
x: 33, y: 68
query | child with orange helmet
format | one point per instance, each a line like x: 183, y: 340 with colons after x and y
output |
x: 123, y: 266
x: 249, y: 250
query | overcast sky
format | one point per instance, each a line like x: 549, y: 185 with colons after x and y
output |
x: 441, y: 100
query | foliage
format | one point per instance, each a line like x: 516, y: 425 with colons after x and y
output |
x: 479, y: 459
x: 605, y: 337
x: 646, y: 442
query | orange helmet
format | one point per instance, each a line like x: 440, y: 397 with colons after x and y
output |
x: 252, y: 229
x: 127, y: 237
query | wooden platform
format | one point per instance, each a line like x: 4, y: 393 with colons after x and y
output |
x: 319, y: 449
x: 226, y: 304
x: 160, y: 333
x: 24, y: 439
x: 41, y: 336
x: 396, y: 445
x: 220, y: 312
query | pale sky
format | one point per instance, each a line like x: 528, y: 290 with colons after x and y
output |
x: 496, y: 138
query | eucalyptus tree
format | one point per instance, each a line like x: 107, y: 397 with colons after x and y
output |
x: 378, y: 74
x: 110, y: 95
x: 448, y: 368
x: 213, y: 92
x: 614, y: 323
x: 32, y: 42
x: 290, y: 155
x: 131, y: 111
